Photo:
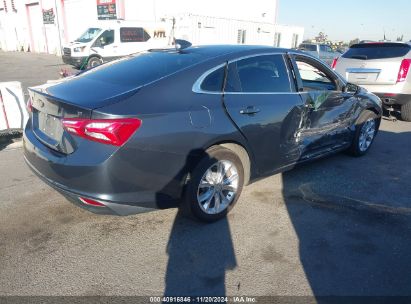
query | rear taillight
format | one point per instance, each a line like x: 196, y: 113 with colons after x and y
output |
x: 334, y: 63
x: 404, y: 69
x: 91, y: 202
x: 108, y: 131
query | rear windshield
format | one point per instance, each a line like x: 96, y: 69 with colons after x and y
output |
x: 143, y: 68
x: 308, y: 47
x: 369, y: 51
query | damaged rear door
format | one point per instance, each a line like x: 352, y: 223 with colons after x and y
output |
x: 328, y: 110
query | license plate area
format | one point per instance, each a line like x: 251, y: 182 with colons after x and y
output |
x: 363, y: 78
x: 48, y: 129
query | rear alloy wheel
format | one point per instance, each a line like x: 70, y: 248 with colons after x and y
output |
x: 93, y: 62
x: 216, y: 185
x: 406, y: 111
x: 364, y: 134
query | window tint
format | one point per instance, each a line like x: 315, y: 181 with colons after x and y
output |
x: 133, y: 34
x: 308, y: 47
x: 263, y: 74
x: 314, y: 78
x: 105, y: 39
x: 377, y: 51
x: 325, y: 48
x: 214, y: 81
x: 143, y: 68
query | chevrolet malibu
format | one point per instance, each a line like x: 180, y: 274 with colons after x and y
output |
x: 190, y: 127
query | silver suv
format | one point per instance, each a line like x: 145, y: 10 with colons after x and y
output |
x: 381, y: 68
x: 321, y: 51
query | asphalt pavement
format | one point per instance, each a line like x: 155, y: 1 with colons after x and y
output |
x: 338, y: 226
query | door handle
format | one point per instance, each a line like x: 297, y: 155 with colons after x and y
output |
x: 250, y: 110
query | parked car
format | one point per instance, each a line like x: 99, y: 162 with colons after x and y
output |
x: 113, y: 39
x: 381, y: 68
x: 190, y: 127
x: 321, y: 51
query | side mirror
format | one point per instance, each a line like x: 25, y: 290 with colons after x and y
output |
x: 351, y: 88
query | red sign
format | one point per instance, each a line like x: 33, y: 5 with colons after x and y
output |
x: 106, y: 2
x: 106, y: 9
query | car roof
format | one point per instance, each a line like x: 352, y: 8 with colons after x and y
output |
x: 213, y: 51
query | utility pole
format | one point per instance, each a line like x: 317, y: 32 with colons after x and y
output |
x: 60, y: 52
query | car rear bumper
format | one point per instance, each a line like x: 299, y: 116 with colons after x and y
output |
x: 126, y: 182
x: 109, y: 208
x: 394, y: 99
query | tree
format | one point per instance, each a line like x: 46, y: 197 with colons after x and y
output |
x: 322, y: 37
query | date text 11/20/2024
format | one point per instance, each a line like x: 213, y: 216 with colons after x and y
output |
x: 238, y: 299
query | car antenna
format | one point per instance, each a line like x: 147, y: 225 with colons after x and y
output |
x: 181, y: 44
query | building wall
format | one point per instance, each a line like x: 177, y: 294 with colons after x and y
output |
x: 288, y: 32
x: 23, y: 28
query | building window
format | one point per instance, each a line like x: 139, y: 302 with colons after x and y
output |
x: 277, y: 39
x: 294, y: 43
x: 241, y: 36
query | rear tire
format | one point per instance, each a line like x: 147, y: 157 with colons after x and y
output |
x: 215, y: 185
x: 406, y: 111
x: 365, y: 131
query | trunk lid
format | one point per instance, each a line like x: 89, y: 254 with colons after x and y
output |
x: 47, y: 112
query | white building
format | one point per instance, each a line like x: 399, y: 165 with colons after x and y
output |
x: 45, y: 25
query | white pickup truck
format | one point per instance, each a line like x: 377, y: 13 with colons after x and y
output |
x: 321, y: 51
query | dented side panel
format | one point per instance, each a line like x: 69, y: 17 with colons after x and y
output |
x: 327, y: 121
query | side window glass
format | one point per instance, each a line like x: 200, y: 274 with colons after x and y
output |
x: 314, y: 78
x: 133, y: 34
x: 106, y: 38
x: 214, y: 81
x: 265, y: 74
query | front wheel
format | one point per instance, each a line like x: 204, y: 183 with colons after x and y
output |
x: 215, y: 185
x: 93, y: 62
x: 365, y: 132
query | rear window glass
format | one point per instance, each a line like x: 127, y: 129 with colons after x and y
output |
x: 143, y: 68
x: 369, y: 51
x: 308, y: 47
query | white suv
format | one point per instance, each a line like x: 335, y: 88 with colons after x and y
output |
x: 381, y: 68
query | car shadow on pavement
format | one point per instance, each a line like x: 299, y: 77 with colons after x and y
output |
x: 198, y: 257
x: 199, y: 254
x: 352, y: 217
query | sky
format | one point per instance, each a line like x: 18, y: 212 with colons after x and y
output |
x: 349, y: 19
